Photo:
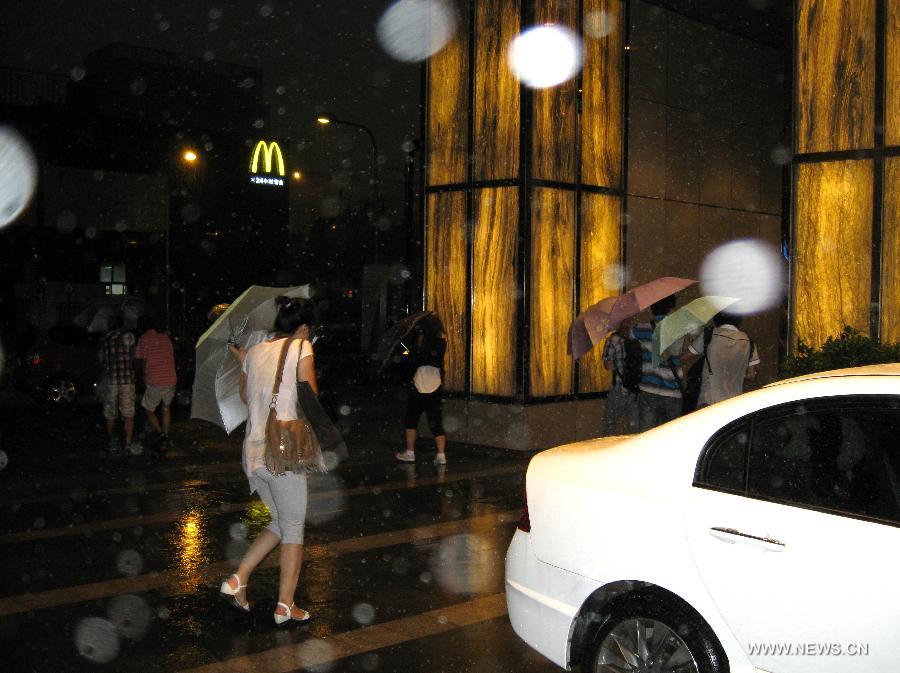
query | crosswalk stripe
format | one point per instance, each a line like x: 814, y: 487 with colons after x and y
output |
x: 178, y: 584
x: 318, y: 651
x: 168, y: 517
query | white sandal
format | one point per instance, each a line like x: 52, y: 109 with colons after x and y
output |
x: 281, y: 619
x: 228, y: 593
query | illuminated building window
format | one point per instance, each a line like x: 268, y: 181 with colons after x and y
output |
x: 113, y: 278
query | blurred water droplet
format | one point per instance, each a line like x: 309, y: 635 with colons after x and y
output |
x: 39, y: 523
x: 163, y: 613
x: 280, y: 89
x: 4, y: 460
x: 138, y: 86
x: 209, y: 55
x: 117, y: 536
x: 259, y: 123
x: 164, y: 26
x: 18, y: 175
x: 781, y: 155
x: 77, y: 73
x: 266, y: 9
x: 371, y: 662
x: 465, y: 564
x: 598, y: 24
x: 190, y: 212
x: 130, y: 615
x: 363, y: 613
x: 66, y: 222
x: 96, y: 640
x: 748, y: 269
x: 238, y: 531
x: 344, y: 410
x: 545, y: 56
x: 129, y: 562
x: 413, y: 30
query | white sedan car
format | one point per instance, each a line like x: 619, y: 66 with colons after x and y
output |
x: 758, y: 534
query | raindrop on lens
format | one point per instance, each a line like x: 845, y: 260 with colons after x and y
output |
x: 545, y: 56
x: 238, y: 531
x: 66, y: 222
x: 344, y: 410
x: 164, y: 26
x: 96, y: 640
x: 331, y: 459
x: 77, y: 73
x: 266, y: 10
x: 138, y: 86
x: 363, y: 613
x: 18, y: 175
x: 130, y: 615
x: 4, y: 460
x: 129, y: 562
x: 750, y: 270
x: 413, y: 30
x: 781, y: 155
x: 598, y: 24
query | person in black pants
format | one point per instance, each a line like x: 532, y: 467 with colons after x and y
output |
x: 425, y: 390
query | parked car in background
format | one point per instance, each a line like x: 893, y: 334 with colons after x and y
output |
x: 761, y: 533
x: 61, y: 366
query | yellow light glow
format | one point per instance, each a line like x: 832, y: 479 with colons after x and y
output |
x: 189, y: 156
x: 268, y: 151
x: 322, y: 119
x: 297, y: 175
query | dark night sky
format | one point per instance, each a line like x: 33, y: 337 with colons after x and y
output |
x: 324, y: 55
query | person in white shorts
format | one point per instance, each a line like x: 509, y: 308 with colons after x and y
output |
x: 155, y: 350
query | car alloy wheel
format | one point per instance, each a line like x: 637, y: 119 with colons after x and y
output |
x: 62, y: 391
x: 643, y: 645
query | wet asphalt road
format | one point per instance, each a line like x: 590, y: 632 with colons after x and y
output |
x: 113, y: 563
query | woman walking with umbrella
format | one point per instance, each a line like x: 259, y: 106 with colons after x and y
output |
x: 285, y: 494
x: 427, y: 347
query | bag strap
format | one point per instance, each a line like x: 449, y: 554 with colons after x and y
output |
x: 279, y: 373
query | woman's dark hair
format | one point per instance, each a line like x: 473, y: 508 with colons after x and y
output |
x: 292, y: 312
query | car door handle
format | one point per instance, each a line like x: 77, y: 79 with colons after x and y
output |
x: 733, y: 536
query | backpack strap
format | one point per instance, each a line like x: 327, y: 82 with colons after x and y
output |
x: 707, y: 339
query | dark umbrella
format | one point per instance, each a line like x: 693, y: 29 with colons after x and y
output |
x: 394, y: 336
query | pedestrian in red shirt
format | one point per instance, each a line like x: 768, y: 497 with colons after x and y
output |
x: 155, y: 350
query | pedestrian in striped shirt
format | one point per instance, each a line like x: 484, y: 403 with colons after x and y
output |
x: 660, y: 398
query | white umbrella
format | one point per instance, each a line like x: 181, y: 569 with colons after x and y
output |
x: 247, y: 321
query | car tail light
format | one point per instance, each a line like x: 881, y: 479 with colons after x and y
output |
x: 35, y: 359
x: 524, y: 524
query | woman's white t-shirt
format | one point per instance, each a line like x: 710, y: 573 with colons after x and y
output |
x: 260, y: 366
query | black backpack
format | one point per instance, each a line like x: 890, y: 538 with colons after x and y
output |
x: 634, y: 365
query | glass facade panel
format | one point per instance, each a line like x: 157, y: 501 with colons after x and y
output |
x: 448, y: 103
x: 446, y: 273
x: 601, y: 245
x: 835, y: 92
x: 555, y: 118
x: 552, y: 290
x: 494, y: 291
x: 832, y: 258
x: 497, y: 108
x: 890, y: 253
x: 892, y: 73
x: 601, y: 116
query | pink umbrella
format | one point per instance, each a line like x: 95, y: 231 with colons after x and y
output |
x: 598, y: 320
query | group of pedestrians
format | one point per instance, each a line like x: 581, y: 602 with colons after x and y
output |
x: 125, y: 361
x: 649, y: 391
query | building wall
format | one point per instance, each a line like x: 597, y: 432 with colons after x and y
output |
x: 706, y: 111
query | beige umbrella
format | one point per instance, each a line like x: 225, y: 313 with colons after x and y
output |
x: 246, y: 322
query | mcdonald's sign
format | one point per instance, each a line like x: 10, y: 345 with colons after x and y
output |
x: 267, y: 164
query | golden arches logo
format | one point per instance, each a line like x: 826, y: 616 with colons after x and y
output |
x: 268, y: 151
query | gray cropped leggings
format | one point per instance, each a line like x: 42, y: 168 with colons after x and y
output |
x: 285, y: 495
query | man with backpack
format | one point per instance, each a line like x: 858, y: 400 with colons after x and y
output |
x: 729, y: 357
x: 622, y: 356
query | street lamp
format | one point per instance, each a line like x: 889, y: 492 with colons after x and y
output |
x: 189, y: 158
x: 326, y: 119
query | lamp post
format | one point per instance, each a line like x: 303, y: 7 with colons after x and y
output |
x: 189, y: 158
x: 326, y: 119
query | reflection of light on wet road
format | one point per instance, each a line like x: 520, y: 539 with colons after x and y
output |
x: 189, y: 555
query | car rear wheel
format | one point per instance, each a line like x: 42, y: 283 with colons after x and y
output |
x: 646, y: 634
x: 61, y: 391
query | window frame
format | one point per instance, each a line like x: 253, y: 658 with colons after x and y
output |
x: 879, y: 401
